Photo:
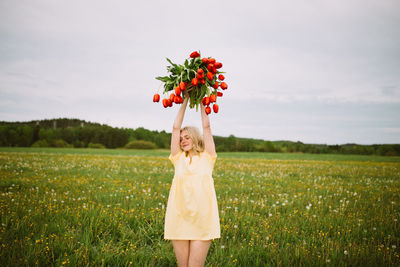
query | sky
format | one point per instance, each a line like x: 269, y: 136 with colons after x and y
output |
x: 325, y: 72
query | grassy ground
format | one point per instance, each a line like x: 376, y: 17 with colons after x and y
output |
x: 81, y: 207
x: 165, y: 153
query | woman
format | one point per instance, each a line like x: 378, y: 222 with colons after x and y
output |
x: 191, y: 219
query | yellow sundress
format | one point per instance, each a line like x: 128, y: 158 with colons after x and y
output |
x: 192, y: 210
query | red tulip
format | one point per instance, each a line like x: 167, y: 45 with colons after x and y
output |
x: 224, y: 86
x: 176, y: 99
x: 178, y: 90
x: 195, y: 81
x: 206, y: 101
x: 194, y: 54
x: 165, y: 102
x: 213, y: 98
x: 182, y: 85
x: 215, y: 108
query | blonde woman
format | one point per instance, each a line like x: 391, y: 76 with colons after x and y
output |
x: 191, y: 219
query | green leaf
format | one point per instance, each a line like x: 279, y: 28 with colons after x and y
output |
x: 163, y: 79
x: 204, y: 91
x: 191, y: 63
x: 170, y: 62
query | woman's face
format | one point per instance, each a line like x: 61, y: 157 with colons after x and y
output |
x: 186, y: 141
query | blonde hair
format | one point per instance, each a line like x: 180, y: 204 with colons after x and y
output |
x: 197, y: 138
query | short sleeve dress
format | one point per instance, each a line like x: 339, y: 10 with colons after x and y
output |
x: 192, y: 210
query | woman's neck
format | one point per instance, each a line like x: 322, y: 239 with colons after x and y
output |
x: 191, y: 153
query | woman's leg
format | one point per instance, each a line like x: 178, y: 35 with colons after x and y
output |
x: 181, y: 248
x: 198, y: 252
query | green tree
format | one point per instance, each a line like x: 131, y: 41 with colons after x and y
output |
x: 230, y: 143
x: 46, y: 134
x: 4, y: 135
x: 12, y: 137
x: 25, y: 136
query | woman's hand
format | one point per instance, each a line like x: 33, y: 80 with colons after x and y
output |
x: 176, y: 128
x: 186, y: 94
x: 209, y: 145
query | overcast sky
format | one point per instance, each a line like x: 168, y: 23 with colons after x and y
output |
x: 310, y: 71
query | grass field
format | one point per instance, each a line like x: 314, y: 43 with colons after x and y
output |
x: 82, y: 207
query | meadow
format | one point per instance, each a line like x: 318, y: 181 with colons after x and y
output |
x: 82, y: 207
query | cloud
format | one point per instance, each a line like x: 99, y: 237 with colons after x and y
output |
x: 97, y: 61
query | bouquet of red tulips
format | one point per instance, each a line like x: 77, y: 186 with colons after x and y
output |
x: 200, y: 77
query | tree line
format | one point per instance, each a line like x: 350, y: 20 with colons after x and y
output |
x: 79, y: 133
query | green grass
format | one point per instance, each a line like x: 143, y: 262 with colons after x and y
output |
x: 90, y: 207
x: 165, y: 153
x: 92, y: 151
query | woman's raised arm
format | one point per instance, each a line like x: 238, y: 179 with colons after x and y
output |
x: 209, y: 145
x: 176, y: 128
